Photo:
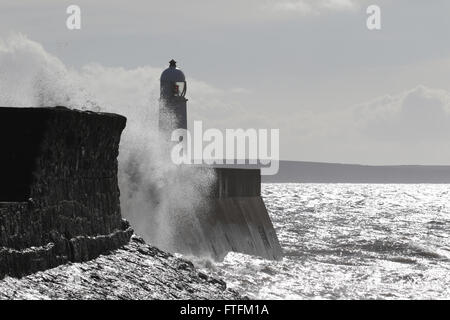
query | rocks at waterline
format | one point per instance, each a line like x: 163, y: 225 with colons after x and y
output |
x: 135, y: 271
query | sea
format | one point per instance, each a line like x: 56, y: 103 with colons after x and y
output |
x: 350, y: 241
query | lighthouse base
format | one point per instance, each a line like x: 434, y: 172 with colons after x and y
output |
x: 234, y: 219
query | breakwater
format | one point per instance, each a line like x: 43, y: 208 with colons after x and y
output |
x: 59, y: 197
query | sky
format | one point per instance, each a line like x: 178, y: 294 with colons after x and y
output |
x: 337, y: 91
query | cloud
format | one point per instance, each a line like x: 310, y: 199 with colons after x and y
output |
x: 420, y: 114
x: 415, y: 115
x: 240, y: 90
x: 410, y: 127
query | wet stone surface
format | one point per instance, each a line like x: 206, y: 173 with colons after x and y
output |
x: 135, y: 271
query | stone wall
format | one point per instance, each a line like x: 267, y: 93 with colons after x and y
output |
x: 59, y: 196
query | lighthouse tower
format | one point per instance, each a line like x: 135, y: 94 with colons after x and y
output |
x: 172, y: 102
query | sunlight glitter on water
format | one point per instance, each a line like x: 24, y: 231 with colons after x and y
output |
x: 351, y: 241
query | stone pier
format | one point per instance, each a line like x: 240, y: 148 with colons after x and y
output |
x: 59, y: 196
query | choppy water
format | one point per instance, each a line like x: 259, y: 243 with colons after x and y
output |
x: 351, y: 241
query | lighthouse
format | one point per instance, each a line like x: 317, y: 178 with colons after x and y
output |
x: 231, y: 215
x: 172, y: 102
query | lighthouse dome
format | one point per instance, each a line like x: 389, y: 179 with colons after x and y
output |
x: 172, y: 73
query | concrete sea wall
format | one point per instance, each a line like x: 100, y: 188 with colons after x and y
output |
x: 234, y: 218
x: 59, y: 196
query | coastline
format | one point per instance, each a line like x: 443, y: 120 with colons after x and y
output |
x: 135, y: 271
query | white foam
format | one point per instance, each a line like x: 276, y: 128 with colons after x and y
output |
x: 152, y: 197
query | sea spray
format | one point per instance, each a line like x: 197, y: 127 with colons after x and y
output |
x: 160, y: 199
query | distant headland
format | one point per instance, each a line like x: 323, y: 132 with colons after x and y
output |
x: 317, y: 172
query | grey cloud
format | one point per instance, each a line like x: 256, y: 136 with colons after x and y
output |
x: 418, y: 114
